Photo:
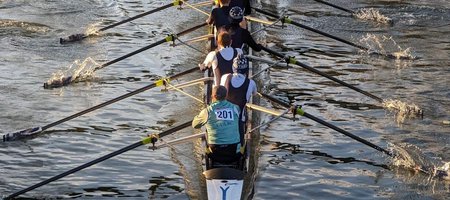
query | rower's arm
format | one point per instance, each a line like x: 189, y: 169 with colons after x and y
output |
x: 248, y: 39
x: 209, y: 60
x: 200, y: 119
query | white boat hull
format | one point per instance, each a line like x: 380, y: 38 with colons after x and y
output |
x: 224, y: 183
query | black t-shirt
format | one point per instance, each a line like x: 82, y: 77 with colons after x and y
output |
x: 219, y: 16
x: 240, y: 36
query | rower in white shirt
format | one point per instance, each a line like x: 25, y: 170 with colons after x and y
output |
x: 240, y: 89
x: 221, y: 59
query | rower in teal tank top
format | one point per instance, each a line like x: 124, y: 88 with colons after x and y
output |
x: 223, y: 123
x: 221, y: 119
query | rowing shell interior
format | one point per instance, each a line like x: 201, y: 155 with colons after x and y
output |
x: 299, y: 160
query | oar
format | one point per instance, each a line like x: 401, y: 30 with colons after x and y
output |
x: 67, y: 80
x: 336, y: 6
x: 35, y: 130
x: 144, y: 141
x: 307, y: 115
x: 289, y: 21
x: 81, y: 36
x: 292, y: 60
x: 438, y: 173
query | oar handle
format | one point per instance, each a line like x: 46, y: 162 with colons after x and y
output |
x: 98, y: 160
x: 336, y: 6
x: 320, y: 121
x: 309, y: 68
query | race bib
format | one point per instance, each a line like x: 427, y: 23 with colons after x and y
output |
x: 224, y: 114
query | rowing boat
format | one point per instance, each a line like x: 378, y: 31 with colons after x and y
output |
x: 230, y: 181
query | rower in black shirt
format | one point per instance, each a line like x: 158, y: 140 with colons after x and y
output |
x: 240, y: 35
x: 219, y: 15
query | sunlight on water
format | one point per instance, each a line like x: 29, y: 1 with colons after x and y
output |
x: 372, y: 14
x: 403, y: 110
x: 76, y: 71
x: 93, y: 29
x: 386, y: 45
x: 411, y: 157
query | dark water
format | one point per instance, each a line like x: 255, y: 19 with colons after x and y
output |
x: 299, y: 160
x: 304, y: 160
x: 30, y: 53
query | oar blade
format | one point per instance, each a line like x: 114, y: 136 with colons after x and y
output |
x: 58, y: 82
x: 21, y: 134
x: 73, y: 38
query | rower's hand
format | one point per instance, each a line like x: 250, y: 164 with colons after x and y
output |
x: 202, y: 66
x: 243, y: 24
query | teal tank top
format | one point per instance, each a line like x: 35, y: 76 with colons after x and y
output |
x: 223, y: 123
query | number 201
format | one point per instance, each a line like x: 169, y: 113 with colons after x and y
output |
x: 223, y: 114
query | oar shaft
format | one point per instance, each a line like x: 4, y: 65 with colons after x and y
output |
x: 378, y: 148
x: 167, y: 39
x: 325, y: 34
x: 309, y: 68
x: 54, y: 178
x: 81, y: 36
x: 336, y: 6
x: 133, y: 53
x: 117, y: 99
x: 320, y: 121
x: 266, y: 13
x: 98, y: 160
x: 288, y: 21
x: 141, y: 15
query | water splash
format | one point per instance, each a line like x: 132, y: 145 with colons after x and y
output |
x: 403, y: 110
x: 27, y: 26
x: 385, y: 45
x: 411, y: 157
x: 77, y: 71
x: 372, y: 14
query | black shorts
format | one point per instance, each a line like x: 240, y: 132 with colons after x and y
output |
x: 224, y: 153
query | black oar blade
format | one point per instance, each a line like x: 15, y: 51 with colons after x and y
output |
x: 73, y: 38
x: 58, y: 83
x: 21, y: 134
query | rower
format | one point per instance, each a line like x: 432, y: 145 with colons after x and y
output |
x: 240, y: 89
x: 221, y: 118
x: 240, y: 35
x: 219, y: 15
x: 221, y: 59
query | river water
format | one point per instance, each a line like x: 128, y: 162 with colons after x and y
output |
x: 298, y: 160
